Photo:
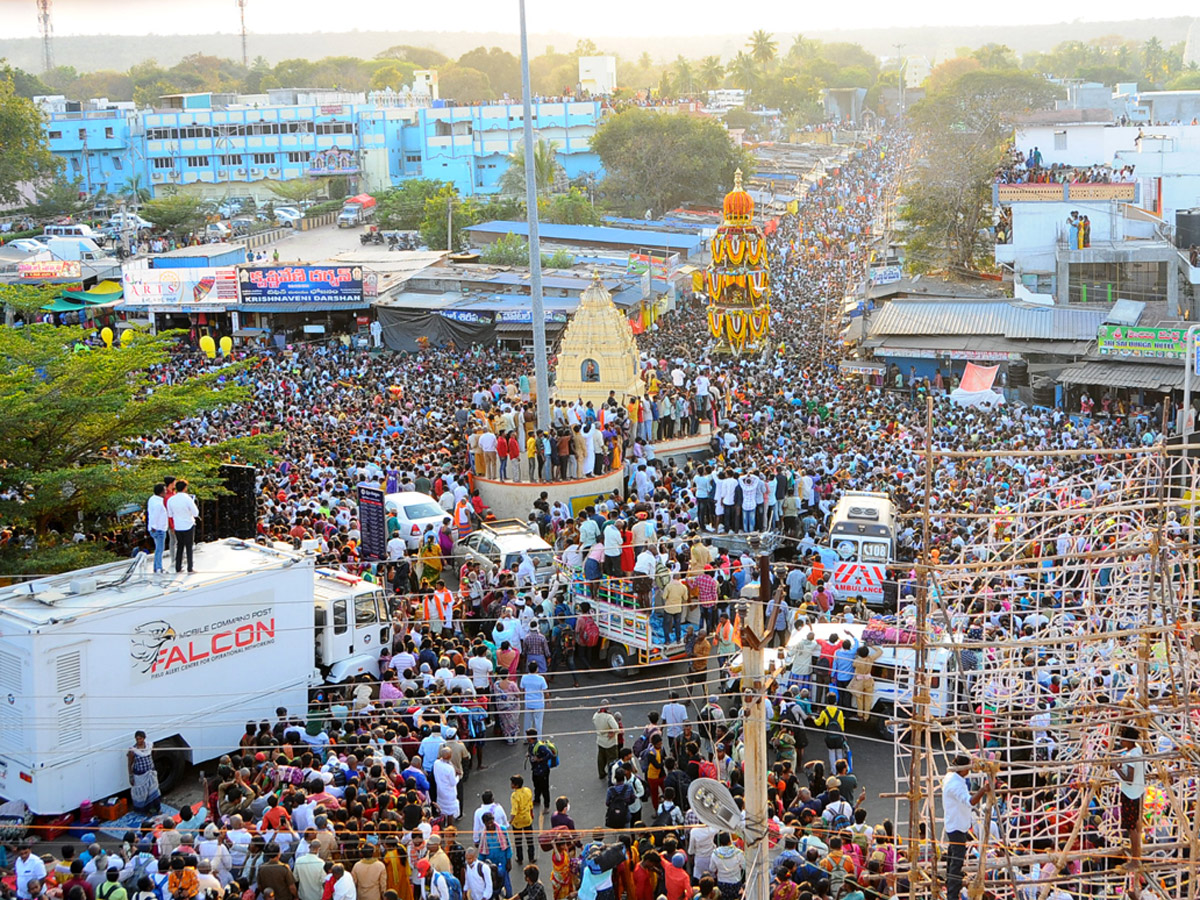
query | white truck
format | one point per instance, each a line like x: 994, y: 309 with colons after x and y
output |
x: 630, y: 637
x: 862, y: 531
x: 76, y: 248
x: 89, y: 657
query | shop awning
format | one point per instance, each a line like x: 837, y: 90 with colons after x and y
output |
x: 301, y: 306
x: 104, y: 292
x: 62, y: 304
x: 1139, y: 376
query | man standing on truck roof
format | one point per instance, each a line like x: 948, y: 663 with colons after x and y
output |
x: 157, y: 523
x: 183, y: 510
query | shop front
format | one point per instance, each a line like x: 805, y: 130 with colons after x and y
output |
x: 294, y: 304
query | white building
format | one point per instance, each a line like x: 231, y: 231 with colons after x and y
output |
x: 598, y: 74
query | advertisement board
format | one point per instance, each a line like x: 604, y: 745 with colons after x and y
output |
x: 1141, y: 343
x: 179, y: 287
x: 372, y: 521
x: 885, y: 274
x: 187, y: 640
x: 303, y: 284
x: 50, y: 268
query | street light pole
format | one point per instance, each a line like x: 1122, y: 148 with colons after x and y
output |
x: 758, y: 863
x: 540, y: 363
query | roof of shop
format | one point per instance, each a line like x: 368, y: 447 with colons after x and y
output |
x: 1010, y: 319
x: 1147, y: 376
x: 596, y: 234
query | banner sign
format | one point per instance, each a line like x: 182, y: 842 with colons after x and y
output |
x: 308, y: 284
x: 1144, y: 343
x: 372, y: 521
x: 659, y: 265
x: 179, y: 287
x: 50, y: 268
x: 466, y: 316
x: 885, y: 274
x: 525, y: 317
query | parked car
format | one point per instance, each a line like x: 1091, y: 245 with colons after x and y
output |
x: 500, y: 544
x: 217, y: 231
x: 288, y: 216
x: 28, y: 245
x: 241, y: 224
x: 415, y: 512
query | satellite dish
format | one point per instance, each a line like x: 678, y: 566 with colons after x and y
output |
x: 714, y: 805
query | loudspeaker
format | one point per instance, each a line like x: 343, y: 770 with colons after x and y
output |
x: 237, y: 511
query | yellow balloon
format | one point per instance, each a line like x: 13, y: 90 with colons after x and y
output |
x: 209, y: 346
x: 226, y: 345
x: 126, y: 336
x: 106, y: 335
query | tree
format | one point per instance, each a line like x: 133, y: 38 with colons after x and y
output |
x: 658, y: 161
x: 502, y: 69
x: 963, y: 130
x: 134, y: 192
x: 298, y: 190
x: 395, y: 75
x: 59, y: 197
x: 464, y: 84
x: 545, y: 165
x: 26, y: 157
x: 743, y: 72
x: 740, y: 117
x: 684, y: 78
x: 25, y: 84
x: 421, y: 57
x: 176, y: 213
x: 71, y: 429
x: 571, y: 208
x: 506, y: 250
x: 762, y: 47
x: 944, y: 74
x: 402, y: 208
x: 433, y: 222
x: 711, y: 74
x: 995, y: 56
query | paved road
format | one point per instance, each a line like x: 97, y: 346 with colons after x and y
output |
x: 312, y: 246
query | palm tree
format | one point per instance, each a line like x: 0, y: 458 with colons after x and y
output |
x: 712, y: 73
x: 801, y: 48
x: 743, y: 71
x: 134, y: 192
x: 545, y: 166
x: 644, y: 61
x: 762, y: 47
x: 683, y: 75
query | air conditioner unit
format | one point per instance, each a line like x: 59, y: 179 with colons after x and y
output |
x: 242, y: 171
x: 157, y: 176
x: 256, y: 171
x: 221, y: 173
x: 274, y: 170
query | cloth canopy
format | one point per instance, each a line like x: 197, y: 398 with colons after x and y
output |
x: 104, y: 292
x: 978, y: 378
x: 62, y: 304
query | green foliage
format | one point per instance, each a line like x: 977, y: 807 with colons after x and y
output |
x: 298, y: 189
x: 319, y: 209
x: 178, y: 214
x: 658, y: 161
x: 434, y: 220
x: 58, y: 197
x: 421, y: 57
x: 962, y: 129
x: 559, y: 259
x: 571, y: 208
x: 1111, y: 59
x: 26, y: 155
x: 134, y: 191
x: 68, y: 422
x: 511, y: 250
x: 545, y: 164
x: 394, y: 75
x: 25, y: 84
x: 503, y: 70
x: 740, y: 117
x: 402, y: 208
x: 464, y: 84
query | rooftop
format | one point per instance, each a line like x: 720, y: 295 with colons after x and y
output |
x: 595, y: 234
x: 1004, y: 318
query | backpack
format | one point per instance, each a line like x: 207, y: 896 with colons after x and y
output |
x: 708, y: 769
x: 140, y: 869
x: 617, y: 815
x: 838, y: 820
x: 837, y: 878
x: 112, y: 886
x: 587, y: 632
x: 640, y: 745
x: 453, y: 885
x: 497, y: 879
x: 549, y: 745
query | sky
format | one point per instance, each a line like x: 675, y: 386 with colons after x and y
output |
x: 18, y: 18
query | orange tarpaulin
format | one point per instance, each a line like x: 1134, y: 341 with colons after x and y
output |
x: 978, y: 378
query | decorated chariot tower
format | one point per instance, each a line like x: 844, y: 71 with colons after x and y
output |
x: 737, y: 281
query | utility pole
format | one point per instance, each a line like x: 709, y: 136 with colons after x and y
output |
x: 541, y: 367
x: 245, y: 58
x: 754, y: 731
x: 450, y: 224
x: 900, y: 81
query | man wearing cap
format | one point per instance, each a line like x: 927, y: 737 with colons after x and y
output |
x: 606, y: 738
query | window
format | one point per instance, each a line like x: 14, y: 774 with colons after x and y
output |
x: 83, y: 134
x: 364, y: 610
x: 231, y: 160
x: 335, y: 128
x: 197, y: 162
x: 108, y: 133
x: 412, y: 157
x: 339, y: 617
x: 162, y: 134
x: 75, y: 163
x: 55, y: 135
x: 117, y: 164
x: 589, y: 371
x: 264, y: 159
x: 161, y: 162
x: 1060, y: 140
x: 294, y: 157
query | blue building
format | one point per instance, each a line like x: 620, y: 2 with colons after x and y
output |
x: 221, y: 145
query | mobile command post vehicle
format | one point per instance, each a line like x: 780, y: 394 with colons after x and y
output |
x: 862, y: 531
x: 88, y: 658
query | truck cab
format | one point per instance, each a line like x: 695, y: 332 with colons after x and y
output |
x: 862, y: 532
x: 352, y: 625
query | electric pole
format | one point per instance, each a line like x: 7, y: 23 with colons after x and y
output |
x: 900, y: 81
x: 754, y: 731
x: 541, y: 368
x: 47, y: 30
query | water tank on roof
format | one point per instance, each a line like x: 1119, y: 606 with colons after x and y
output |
x: 1187, y: 228
x: 1018, y: 373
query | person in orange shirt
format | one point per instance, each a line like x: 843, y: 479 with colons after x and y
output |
x: 514, y: 455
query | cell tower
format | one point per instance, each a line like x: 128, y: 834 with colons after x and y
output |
x: 242, y: 9
x: 47, y: 30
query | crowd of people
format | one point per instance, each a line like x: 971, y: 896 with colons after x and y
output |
x: 1027, y: 167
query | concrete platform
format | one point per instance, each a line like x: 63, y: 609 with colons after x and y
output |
x: 514, y: 500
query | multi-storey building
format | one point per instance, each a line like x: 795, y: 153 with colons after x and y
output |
x: 218, y: 145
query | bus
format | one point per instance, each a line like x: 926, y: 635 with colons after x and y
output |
x: 862, y: 533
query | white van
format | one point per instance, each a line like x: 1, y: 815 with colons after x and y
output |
x: 862, y: 532
x: 73, y: 229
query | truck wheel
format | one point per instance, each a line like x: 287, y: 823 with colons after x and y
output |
x: 618, y: 661
x: 170, y: 765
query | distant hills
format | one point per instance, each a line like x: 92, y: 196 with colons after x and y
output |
x: 119, y: 52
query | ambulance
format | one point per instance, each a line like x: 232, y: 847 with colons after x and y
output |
x: 862, y: 533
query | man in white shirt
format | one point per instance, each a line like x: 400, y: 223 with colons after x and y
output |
x: 1132, y: 772
x: 157, y: 523
x: 957, y: 819
x: 182, y: 509
x: 491, y: 459
x: 447, y: 784
x: 343, y: 884
x: 478, y: 883
x: 27, y: 867
x: 674, y: 714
